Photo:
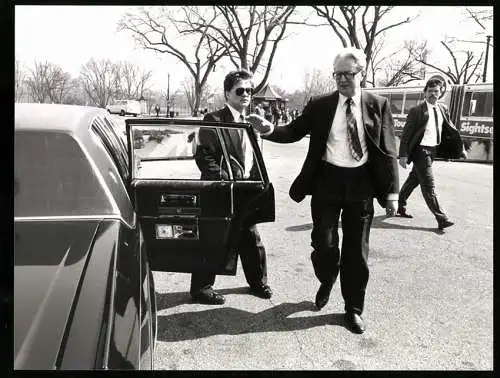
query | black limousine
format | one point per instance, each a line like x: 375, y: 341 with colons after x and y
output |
x: 96, y: 209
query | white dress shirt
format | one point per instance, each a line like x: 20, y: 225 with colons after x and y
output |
x: 430, y: 137
x: 337, y: 150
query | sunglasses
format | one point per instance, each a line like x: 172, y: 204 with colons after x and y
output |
x: 240, y: 91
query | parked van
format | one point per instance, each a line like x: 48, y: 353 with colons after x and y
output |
x: 125, y: 107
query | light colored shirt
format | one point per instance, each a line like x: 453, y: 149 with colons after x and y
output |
x: 337, y: 150
x: 245, y: 143
x: 430, y: 137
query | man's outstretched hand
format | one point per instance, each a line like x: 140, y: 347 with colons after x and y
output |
x: 260, y: 124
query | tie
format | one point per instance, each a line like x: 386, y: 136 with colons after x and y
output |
x: 247, y: 151
x: 352, y: 133
x: 437, y: 127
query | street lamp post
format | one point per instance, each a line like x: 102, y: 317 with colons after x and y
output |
x: 488, y: 37
x: 168, y: 95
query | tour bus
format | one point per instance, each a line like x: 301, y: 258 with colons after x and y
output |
x: 470, y: 107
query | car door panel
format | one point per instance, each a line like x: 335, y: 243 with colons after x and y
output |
x: 189, y: 224
x: 185, y: 224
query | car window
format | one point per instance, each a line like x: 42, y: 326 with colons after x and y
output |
x: 53, y: 177
x: 114, y: 145
x: 181, y: 152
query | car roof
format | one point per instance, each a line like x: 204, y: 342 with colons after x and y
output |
x: 53, y: 117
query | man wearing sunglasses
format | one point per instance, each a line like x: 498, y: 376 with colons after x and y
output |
x: 351, y: 159
x: 238, y: 91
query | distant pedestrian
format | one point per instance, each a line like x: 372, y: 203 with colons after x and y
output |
x: 268, y: 114
x: 157, y: 110
x: 258, y: 110
x: 276, y: 115
x: 428, y: 130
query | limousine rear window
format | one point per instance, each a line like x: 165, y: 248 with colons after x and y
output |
x: 53, y: 177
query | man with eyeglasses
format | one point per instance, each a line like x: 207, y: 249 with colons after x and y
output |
x: 238, y: 91
x: 351, y: 159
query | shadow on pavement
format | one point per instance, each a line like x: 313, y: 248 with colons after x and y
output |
x: 169, y: 300
x: 378, y: 222
x: 219, y: 320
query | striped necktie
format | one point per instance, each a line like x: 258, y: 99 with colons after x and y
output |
x: 352, y: 133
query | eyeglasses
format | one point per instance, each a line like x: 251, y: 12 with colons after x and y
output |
x: 239, y: 91
x: 346, y: 74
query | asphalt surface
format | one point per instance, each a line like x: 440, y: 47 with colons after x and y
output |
x: 429, y: 302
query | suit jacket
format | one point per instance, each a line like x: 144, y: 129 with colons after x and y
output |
x: 317, y: 118
x: 451, y: 145
x: 209, y: 155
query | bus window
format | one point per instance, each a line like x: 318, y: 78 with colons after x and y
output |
x: 396, y: 103
x: 466, y: 108
x: 411, y: 100
x: 484, y: 104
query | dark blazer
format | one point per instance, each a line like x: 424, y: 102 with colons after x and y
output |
x: 316, y: 119
x: 451, y: 145
x: 209, y: 155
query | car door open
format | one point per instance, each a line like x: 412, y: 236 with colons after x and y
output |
x: 190, y: 222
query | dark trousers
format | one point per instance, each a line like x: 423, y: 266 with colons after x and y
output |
x: 253, y: 260
x: 346, y: 193
x: 421, y: 173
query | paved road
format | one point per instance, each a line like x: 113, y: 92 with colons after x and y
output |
x: 429, y: 303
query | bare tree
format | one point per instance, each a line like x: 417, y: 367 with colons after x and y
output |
x: 98, y: 80
x: 130, y: 80
x: 58, y: 83
x: 47, y: 82
x: 482, y: 17
x: 359, y: 26
x: 142, y: 82
x: 19, y: 88
x: 248, y: 35
x: 402, y: 66
x: 36, y: 82
x: 316, y: 83
x: 189, y: 90
x: 376, y: 61
x: 158, y: 30
x: 75, y: 94
x: 464, y: 63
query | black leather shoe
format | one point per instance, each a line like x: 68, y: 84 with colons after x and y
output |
x: 263, y: 291
x: 355, y: 322
x: 403, y: 214
x: 443, y: 224
x: 323, y: 295
x: 209, y: 297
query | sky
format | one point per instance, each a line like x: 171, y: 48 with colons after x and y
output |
x: 69, y: 35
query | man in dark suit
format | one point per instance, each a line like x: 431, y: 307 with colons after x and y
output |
x: 209, y: 158
x: 428, y: 132
x: 351, y: 159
